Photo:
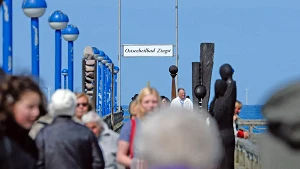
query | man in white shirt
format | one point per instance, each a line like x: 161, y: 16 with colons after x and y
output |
x: 181, y: 101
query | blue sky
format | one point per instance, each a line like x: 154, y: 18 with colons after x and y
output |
x: 260, y: 39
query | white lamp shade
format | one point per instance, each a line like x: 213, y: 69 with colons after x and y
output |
x: 34, y: 12
x: 70, y: 37
x: 58, y: 25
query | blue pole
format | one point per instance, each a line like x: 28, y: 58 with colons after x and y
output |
x: 70, y: 65
x: 108, y: 92
x: 110, y: 96
x: 115, y: 92
x: 7, y: 36
x: 65, y: 82
x: 35, y: 66
x: 57, y: 59
x: 104, y: 90
x: 99, y: 88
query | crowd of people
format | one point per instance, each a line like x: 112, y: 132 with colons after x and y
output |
x: 68, y: 133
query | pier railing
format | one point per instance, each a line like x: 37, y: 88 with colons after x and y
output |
x: 252, y: 124
x: 246, y: 153
x: 118, y: 121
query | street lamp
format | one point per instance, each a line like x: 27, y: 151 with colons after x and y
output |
x: 58, y: 21
x: 173, y: 72
x: 116, y: 71
x: 104, y: 87
x: 7, y: 36
x: 34, y: 9
x: 108, y: 63
x: 70, y: 34
x: 99, y: 57
x: 108, y: 83
x: 105, y: 59
x: 96, y: 80
x: 111, y: 94
x: 64, y: 72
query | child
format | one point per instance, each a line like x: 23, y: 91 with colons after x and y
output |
x: 237, y: 110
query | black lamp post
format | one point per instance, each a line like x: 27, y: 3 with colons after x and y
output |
x: 200, y: 92
x: 173, y: 72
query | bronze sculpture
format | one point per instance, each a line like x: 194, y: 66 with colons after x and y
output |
x: 222, y: 110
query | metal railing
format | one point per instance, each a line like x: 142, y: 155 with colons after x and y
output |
x: 118, y: 121
x: 246, y: 155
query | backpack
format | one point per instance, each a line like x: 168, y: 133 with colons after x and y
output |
x: 132, y: 134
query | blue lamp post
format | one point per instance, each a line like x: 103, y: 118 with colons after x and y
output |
x: 116, y: 71
x: 99, y: 58
x: 7, y: 36
x: 58, y: 21
x: 70, y: 34
x: 34, y: 9
x: 104, y: 87
x: 64, y: 72
x: 108, y: 85
x: 96, y: 79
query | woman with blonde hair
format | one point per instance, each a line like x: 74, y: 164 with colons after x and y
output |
x: 238, y: 132
x: 147, y: 100
x: 84, y: 105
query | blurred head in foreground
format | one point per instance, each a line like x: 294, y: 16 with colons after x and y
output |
x: 176, y: 138
x: 280, y: 145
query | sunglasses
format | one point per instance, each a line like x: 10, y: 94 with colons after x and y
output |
x: 82, y: 104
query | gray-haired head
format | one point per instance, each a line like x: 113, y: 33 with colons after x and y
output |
x: 63, y: 103
x: 91, y: 116
x: 178, y: 137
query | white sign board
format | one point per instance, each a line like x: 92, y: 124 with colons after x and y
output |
x: 147, y: 50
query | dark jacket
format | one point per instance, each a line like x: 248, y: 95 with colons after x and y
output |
x: 17, y: 149
x: 65, y: 144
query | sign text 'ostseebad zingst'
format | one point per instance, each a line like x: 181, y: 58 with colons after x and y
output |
x: 147, y: 50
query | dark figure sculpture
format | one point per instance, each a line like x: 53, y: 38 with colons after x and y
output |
x: 220, y: 89
x: 222, y: 109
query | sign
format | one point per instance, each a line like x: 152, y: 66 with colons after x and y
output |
x: 148, y: 50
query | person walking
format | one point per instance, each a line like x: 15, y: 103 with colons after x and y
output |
x: 65, y: 144
x: 107, y: 138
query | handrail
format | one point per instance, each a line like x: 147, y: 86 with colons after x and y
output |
x: 246, y: 155
x: 252, y: 124
x: 118, y: 120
